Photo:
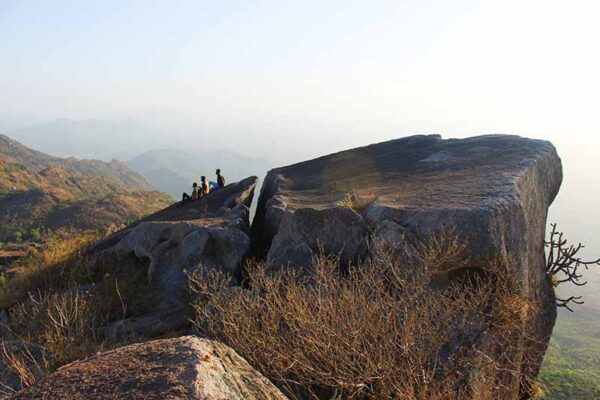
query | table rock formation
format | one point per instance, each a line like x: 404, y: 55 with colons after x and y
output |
x: 493, y: 191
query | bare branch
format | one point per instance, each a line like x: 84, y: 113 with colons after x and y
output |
x: 564, y: 303
x: 563, y: 265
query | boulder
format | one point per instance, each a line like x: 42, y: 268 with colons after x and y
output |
x: 213, y: 231
x: 182, y: 368
x: 493, y: 191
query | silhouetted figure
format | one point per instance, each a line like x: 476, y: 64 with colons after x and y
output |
x: 204, y: 186
x: 186, y: 198
x: 219, y: 183
x: 220, y: 179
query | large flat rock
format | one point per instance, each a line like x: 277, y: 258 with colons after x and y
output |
x: 494, y: 191
x: 183, y: 368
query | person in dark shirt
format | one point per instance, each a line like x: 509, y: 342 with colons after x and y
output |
x: 220, y: 179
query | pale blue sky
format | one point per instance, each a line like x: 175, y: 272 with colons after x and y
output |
x: 119, y: 55
x: 396, y: 64
x: 302, y: 78
x: 455, y: 66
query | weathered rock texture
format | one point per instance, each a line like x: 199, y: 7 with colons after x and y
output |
x: 181, y: 368
x: 493, y: 190
x: 213, y: 231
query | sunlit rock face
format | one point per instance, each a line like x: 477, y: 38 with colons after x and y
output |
x: 181, y: 368
x: 493, y: 191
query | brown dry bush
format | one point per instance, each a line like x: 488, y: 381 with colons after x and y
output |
x: 357, y: 202
x: 64, y: 323
x: 64, y: 326
x: 377, y: 331
x: 23, y: 365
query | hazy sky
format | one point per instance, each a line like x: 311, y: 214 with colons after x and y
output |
x: 297, y: 79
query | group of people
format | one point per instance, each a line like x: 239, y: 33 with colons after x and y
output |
x: 204, y: 188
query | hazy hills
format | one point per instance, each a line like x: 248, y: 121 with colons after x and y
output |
x: 100, y: 176
x: 174, y: 170
x: 99, y: 139
x: 169, y: 154
x: 41, y: 192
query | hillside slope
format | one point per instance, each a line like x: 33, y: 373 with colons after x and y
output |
x: 571, y: 367
x: 39, y: 193
x: 113, y: 175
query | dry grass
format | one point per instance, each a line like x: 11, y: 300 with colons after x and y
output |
x: 25, y: 364
x: 379, y: 331
x: 58, y: 266
x: 536, y: 391
x: 357, y: 202
x: 47, y: 310
x: 375, y: 331
x: 60, y: 302
x: 511, y: 311
x: 63, y: 325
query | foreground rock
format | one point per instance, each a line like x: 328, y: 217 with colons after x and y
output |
x: 213, y: 232
x: 494, y: 191
x: 181, y: 368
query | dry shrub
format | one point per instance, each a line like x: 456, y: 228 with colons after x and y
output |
x: 23, y: 365
x: 357, y: 202
x: 62, y: 327
x: 65, y: 324
x: 511, y: 311
x: 440, y: 253
x: 376, y: 331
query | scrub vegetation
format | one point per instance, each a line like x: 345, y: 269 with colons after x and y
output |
x: 378, y: 330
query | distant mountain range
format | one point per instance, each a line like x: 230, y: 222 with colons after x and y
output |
x: 174, y: 170
x: 101, y: 139
x: 40, y: 192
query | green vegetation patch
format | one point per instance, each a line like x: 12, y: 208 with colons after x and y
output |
x: 14, y: 167
x: 571, y: 368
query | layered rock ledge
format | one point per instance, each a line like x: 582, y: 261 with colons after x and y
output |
x: 493, y: 191
x: 213, y: 232
x: 183, y: 368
